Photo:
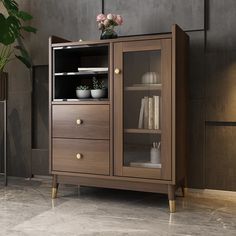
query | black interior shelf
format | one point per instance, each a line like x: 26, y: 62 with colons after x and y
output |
x: 81, y: 65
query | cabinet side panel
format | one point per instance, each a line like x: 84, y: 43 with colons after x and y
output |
x: 49, y: 103
x: 180, y: 75
x: 166, y: 110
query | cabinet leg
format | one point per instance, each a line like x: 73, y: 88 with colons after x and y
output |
x: 55, y: 185
x: 171, y: 197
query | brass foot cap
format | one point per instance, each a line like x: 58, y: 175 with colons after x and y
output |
x: 172, y: 206
x: 54, y: 193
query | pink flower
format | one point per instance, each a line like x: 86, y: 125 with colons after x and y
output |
x: 109, y: 16
x: 106, y: 22
x: 100, y: 26
x: 101, y: 17
x: 119, y: 20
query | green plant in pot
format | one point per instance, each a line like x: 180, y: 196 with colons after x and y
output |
x: 13, y: 22
x: 99, y: 90
x: 83, y: 91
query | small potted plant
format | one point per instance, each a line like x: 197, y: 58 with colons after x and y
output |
x: 99, y: 90
x: 83, y: 91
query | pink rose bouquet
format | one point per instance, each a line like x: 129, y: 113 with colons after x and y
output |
x: 108, y: 22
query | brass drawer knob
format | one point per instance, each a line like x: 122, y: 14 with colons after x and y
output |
x: 117, y: 71
x: 79, y: 121
x: 79, y: 156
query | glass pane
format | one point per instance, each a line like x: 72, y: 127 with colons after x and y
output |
x: 142, y: 109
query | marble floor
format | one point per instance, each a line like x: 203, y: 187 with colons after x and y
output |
x: 27, y: 209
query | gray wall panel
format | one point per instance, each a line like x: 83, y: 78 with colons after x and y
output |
x: 220, y: 86
x: 153, y: 16
x: 196, y: 158
x: 222, y: 33
x: 40, y: 108
x: 221, y: 161
x: 196, y: 80
x: 19, y: 134
x: 70, y: 19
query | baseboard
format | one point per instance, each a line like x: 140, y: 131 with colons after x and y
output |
x: 211, y: 193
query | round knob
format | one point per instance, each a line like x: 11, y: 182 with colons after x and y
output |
x: 117, y: 71
x: 78, y: 156
x: 79, y: 121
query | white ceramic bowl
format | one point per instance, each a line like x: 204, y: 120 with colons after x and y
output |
x: 98, y: 93
x: 83, y: 93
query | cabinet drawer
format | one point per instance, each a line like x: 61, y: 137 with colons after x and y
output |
x: 81, y: 156
x: 81, y: 121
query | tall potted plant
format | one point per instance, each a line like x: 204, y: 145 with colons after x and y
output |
x: 13, y: 22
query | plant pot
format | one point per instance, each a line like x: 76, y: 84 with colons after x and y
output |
x: 83, y: 93
x: 3, y: 86
x: 108, y: 33
x: 98, y: 93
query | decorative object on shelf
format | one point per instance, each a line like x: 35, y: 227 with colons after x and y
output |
x: 149, y: 113
x: 106, y: 23
x: 99, y: 90
x: 83, y: 91
x: 155, y: 153
x: 150, y: 78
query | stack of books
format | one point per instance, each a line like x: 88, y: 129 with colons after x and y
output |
x: 149, y: 116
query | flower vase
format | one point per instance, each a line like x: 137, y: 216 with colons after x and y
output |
x: 109, y: 33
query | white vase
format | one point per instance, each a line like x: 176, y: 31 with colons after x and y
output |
x: 98, y: 93
x: 155, y: 155
x: 83, y: 93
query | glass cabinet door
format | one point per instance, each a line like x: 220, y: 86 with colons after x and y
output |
x: 142, y: 105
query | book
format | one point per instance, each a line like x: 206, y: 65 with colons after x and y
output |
x: 156, y: 109
x: 150, y: 113
x: 146, y: 113
x: 141, y: 115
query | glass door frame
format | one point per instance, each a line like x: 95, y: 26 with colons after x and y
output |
x: 163, y: 173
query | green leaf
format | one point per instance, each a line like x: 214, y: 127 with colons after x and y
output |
x: 9, y: 29
x: 24, y: 61
x: 29, y: 29
x: 24, y: 15
x: 10, y: 5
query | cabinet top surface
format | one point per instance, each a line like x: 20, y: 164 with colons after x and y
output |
x: 107, y: 41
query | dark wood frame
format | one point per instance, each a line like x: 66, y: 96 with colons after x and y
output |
x: 176, y: 171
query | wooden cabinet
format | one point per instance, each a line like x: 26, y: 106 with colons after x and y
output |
x: 135, y: 136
